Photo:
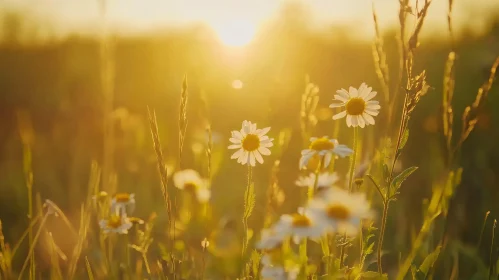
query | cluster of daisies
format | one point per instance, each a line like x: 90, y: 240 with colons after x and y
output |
x: 332, y: 209
x: 123, y: 204
x: 118, y: 219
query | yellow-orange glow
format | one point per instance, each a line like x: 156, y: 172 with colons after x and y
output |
x: 235, y: 33
x: 237, y: 84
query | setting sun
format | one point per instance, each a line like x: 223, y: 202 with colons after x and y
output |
x: 235, y: 33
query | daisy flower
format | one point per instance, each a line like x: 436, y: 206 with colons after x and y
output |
x: 339, y: 210
x: 270, y: 239
x: 116, y: 224
x: 251, y: 143
x: 325, y: 148
x: 359, y: 108
x: 190, y: 181
x: 299, y: 225
x: 123, y: 203
x: 278, y: 273
x: 325, y: 180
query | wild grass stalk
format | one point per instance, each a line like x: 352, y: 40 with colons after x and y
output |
x: 492, y: 264
x: 249, y: 205
x: 182, y: 120
x: 482, y: 230
x: 351, y: 173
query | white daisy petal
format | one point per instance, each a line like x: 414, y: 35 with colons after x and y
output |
x: 349, y: 120
x: 368, y: 118
x: 343, y: 93
x: 236, y: 146
x: 264, y: 151
x: 370, y: 96
x: 373, y: 107
x: 237, y: 154
x: 263, y: 131
x: 237, y: 135
x: 354, y: 121
x: 252, y: 161
x: 362, y: 122
x: 327, y: 159
x: 245, y: 157
x: 353, y: 92
x: 340, y: 98
x: 340, y: 115
x: 336, y: 105
x: 372, y: 112
x: 258, y: 157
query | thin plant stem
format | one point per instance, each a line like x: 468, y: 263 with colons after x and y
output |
x: 32, y: 246
x: 350, y: 185
x: 491, y: 260
x: 246, y: 199
x: 313, y: 190
x: 483, y: 228
x: 382, y: 233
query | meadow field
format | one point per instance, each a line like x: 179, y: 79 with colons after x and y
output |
x: 298, y: 154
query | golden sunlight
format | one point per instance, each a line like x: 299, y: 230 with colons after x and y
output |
x: 237, y: 84
x: 235, y: 33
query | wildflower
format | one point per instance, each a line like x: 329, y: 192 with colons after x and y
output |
x: 116, y: 224
x: 278, y: 273
x: 189, y: 180
x: 325, y: 148
x: 100, y: 197
x: 270, y: 239
x: 359, y: 108
x: 205, y: 243
x: 251, y: 142
x: 123, y: 203
x: 324, y: 181
x: 339, y: 210
x: 299, y: 225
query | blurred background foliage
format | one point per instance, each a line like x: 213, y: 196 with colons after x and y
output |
x: 50, y: 90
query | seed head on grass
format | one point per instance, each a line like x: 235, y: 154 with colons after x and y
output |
x: 182, y: 119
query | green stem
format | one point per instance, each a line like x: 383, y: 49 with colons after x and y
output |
x: 382, y: 233
x: 313, y: 190
x: 245, y: 219
x: 350, y: 184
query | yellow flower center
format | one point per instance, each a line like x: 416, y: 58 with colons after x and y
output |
x: 136, y: 220
x: 301, y: 221
x: 114, y: 221
x: 338, y: 212
x: 321, y: 144
x: 251, y: 142
x: 122, y: 197
x: 355, y: 106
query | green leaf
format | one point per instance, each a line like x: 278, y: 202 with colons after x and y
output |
x: 403, y: 141
x: 255, y: 261
x: 386, y: 173
x: 429, y: 261
x: 399, y: 179
x: 249, y: 201
x: 372, y: 275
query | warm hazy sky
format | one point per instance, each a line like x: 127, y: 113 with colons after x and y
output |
x: 138, y: 14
